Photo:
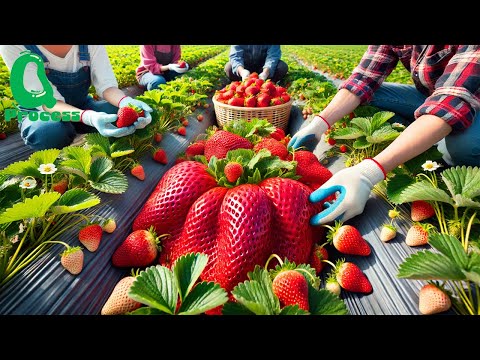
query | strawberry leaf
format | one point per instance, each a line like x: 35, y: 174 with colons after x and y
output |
x: 99, y: 144
x: 235, y: 308
x: 426, y: 265
x: 396, y: 185
x: 348, y: 133
x: 99, y: 167
x: 121, y: 148
x: 145, y: 310
x: 77, y: 160
x: 24, y: 168
x: 187, y: 270
x: 382, y: 135
x: 203, y: 297
x: 156, y: 287
x: 363, y: 124
x: 473, y: 272
x: 293, y: 310
x: 34, y: 207
x: 414, y: 166
x: 112, y: 182
x: 361, y: 143
x: 323, y: 302
x: 44, y: 156
x: 464, y: 181
x: 423, y: 190
x: 380, y: 118
x: 449, y: 246
x: 74, y: 200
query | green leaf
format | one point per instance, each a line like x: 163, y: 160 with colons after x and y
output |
x: 176, y: 106
x: 363, y: 124
x: 145, y: 310
x: 34, y: 207
x: 44, y: 156
x: 323, y: 302
x: 112, y: 182
x: 74, y: 200
x: 155, y: 287
x: 423, y: 190
x: 100, y: 166
x: 396, y: 185
x: 348, y: 133
x: 380, y: 118
x: 78, y: 158
x: 187, y: 270
x: 234, y: 308
x: 414, y: 166
x: 99, y: 144
x: 293, y: 310
x: 426, y: 265
x: 462, y: 201
x: 361, y: 143
x: 24, y: 168
x: 449, y: 246
x: 203, y: 297
x: 473, y: 273
x: 463, y: 180
x: 384, y: 134
x: 121, y: 148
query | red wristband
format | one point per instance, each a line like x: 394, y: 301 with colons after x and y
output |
x: 118, y: 105
x: 81, y: 115
x: 380, y: 166
x: 321, y: 117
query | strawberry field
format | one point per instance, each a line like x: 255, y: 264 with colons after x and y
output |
x: 185, y: 217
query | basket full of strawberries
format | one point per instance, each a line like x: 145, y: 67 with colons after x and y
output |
x: 253, y: 98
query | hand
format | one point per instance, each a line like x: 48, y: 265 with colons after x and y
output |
x: 310, y: 135
x: 263, y: 75
x: 354, y: 185
x: 103, y: 123
x: 141, y: 121
x: 244, y: 74
x: 177, y: 68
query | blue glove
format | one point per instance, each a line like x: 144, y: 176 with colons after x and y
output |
x: 103, y: 123
x: 354, y: 185
x: 141, y: 121
x: 310, y: 135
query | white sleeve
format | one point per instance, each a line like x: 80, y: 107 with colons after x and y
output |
x: 101, y: 69
x: 31, y: 82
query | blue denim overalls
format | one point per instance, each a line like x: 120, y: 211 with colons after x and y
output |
x: 73, y: 87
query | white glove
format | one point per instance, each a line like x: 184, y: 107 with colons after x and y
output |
x: 354, y: 185
x: 141, y: 121
x: 177, y: 68
x: 244, y: 74
x: 263, y: 75
x: 103, y: 123
x: 310, y: 135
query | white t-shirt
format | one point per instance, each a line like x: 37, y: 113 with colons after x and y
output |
x: 100, y: 68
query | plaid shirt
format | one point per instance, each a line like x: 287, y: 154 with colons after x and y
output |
x: 449, y: 75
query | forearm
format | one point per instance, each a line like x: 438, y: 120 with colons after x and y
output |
x: 113, y: 95
x: 417, y: 138
x: 61, y: 106
x: 343, y: 103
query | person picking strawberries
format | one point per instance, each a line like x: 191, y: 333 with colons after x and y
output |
x: 442, y: 108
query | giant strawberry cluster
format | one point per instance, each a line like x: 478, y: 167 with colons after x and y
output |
x: 252, y: 92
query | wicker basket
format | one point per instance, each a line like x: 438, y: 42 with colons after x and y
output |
x: 278, y: 115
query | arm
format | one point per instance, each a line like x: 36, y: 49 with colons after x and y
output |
x: 274, y: 54
x: 236, y: 59
x: 149, y: 60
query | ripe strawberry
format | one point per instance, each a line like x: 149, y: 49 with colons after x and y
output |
x: 278, y: 134
x: 90, y: 236
x: 182, y: 64
x: 253, y: 75
x: 388, y: 232
x: 180, y: 159
x: 160, y: 156
x: 348, y: 240
x: 138, y: 171
x: 233, y: 170
x: 269, y: 88
x: 332, y: 285
x: 109, y: 225
x: 252, y: 90
x: 351, y: 277
x: 200, y: 117
x: 433, y: 300
x: 197, y: 148
x: 421, y: 210
x: 319, y: 253
x: 279, y: 90
x: 418, y: 234
x: 3, y: 136
x: 276, y: 101
x: 259, y: 82
x: 227, y: 95
x: 158, y: 137
x: 310, y: 169
x: 185, y: 122
x: 331, y: 141
x: 285, y: 97
x: 240, y: 90
x: 248, y: 82
x: 72, y: 259
x: 291, y: 288
x: 61, y: 186
x: 139, y: 249
x: 263, y: 100
x: 182, y: 130
x: 250, y: 101
x: 119, y: 302
x: 222, y: 142
x: 236, y: 101
x: 275, y: 147
x: 343, y: 148
x: 126, y: 116
x: 351, y: 115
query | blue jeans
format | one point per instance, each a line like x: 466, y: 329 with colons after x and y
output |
x: 461, y: 148
x: 40, y: 135
x: 152, y: 81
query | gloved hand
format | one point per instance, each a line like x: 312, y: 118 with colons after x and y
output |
x: 141, y: 121
x: 177, y: 68
x: 103, y: 123
x: 244, y: 74
x: 310, y: 135
x: 263, y: 75
x: 354, y: 185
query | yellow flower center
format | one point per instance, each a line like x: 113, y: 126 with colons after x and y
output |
x: 47, y: 169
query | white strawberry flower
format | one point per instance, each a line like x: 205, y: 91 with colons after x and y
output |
x: 21, y: 228
x: 47, y: 169
x: 398, y: 125
x: 28, y: 183
x: 430, y: 165
x: 14, y: 239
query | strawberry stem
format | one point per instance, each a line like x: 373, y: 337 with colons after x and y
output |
x: 329, y: 262
x: 270, y: 258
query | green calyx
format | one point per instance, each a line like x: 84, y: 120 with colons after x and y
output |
x: 333, y: 230
x: 156, y: 239
x: 70, y: 250
x: 284, y: 265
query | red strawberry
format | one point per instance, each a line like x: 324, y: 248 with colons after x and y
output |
x: 119, y: 302
x: 247, y: 83
x: 421, y: 210
x: 109, y: 225
x: 388, y: 232
x: 182, y: 64
x: 185, y: 122
x: 274, y: 146
x: 343, y: 148
x: 259, y: 82
x: 200, y: 117
x: 331, y: 141
x: 182, y: 131
x: 351, y: 277
x: 61, y: 186
x: 417, y: 235
x: 279, y: 90
x: 310, y: 169
x: 139, y: 249
x: 240, y: 90
x: 276, y: 101
x: 138, y: 171
x: 291, y: 288
x: 278, y: 134
x: 250, y: 101
x: 90, y: 236
x: 236, y: 101
x: 160, y: 156
x: 3, y: 136
x: 319, y: 253
x: 197, y: 148
x: 263, y: 100
x: 269, y: 88
x: 72, y: 259
x: 126, y: 116
x: 351, y: 115
x: 433, y: 300
x: 253, y: 75
x: 222, y: 142
x: 158, y: 137
x: 233, y: 170
x: 285, y: 97
x: 180, y: 159
x: 252, y: 90
x: 227, y: 95
x: 348, y: 240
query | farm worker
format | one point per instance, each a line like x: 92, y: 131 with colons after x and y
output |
x: 442, y: 107
x: 262, y: 59
x: 159, y: 64
x: 70, y: 71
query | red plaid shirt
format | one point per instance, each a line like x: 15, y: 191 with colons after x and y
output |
x: 449, y: 75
